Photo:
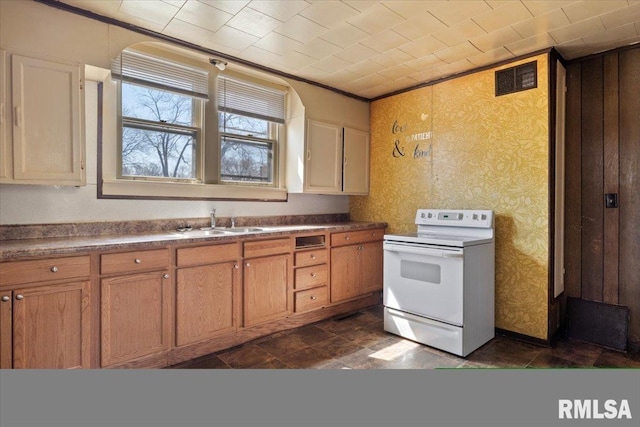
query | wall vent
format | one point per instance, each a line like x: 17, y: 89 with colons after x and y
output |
x: 516, y: 79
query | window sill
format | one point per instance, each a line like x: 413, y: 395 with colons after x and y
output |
x: 132, y: 189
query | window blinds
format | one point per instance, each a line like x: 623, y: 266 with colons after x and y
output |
x: 138, y: 68
x: 248, y: 99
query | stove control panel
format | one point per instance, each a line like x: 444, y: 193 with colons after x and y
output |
x: 457, y: 218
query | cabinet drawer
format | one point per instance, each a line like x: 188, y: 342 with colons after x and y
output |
x: 310, y: 299
x: 19, y: 272
x: 354, y: 237
x: 211, y: 254
x: 309, y: 277
x: 313, y: 257
x: 130, y: 262
x: 267, y: 247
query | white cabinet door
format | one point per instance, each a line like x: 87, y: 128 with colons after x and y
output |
x: 4, y: 158
x: 355, y: 179
x: 323, y: 162
x: 47, y: 121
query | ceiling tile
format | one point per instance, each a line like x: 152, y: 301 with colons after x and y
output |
x: 491, y: 57
x: 344, y: 35
x: 253, y: 22
x: 392, y: 57
x: 301, y: 29
x: 572, y: 49
x: 259, y: 56
x: 282, y: 10
x: 229, y: 6
x: 496, y: 39
x: 531, y: 44
x: 384, y: 41
x: 425, y: 62
x: 540, y: 7
x: 369, y: 81
x: 341, y: 78
x: 396, y: 72
x: 318, y: 48
x: 329, y: 13
x: 202, y: 15
x: 176, y: 3
x: 362, y: 68
x: 582, y: 10
x: 425, y: 76
x: 233, y: 38
x: 455, y: 68
x: 503, y: 16
x: 607, y: 38
x: 577, y: 30
x: 331, y: 64
x: 457, y: 53
x: 160, y: 13
x: 407, y: 9
x: 423, y: 46
x: 459, y: 33
x: 295, y: 60
x: 356, y: 53
x: 181, y: 29
x: 277, y: 43
x: 621, y: 16
x: 453, y: 12
x: 360, y: 5
x: 419, y: 26
x: 111, y: 8
x: 542, y: 23
x: 376, y: 19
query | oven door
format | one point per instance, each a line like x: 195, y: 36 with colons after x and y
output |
x: 424, y: 280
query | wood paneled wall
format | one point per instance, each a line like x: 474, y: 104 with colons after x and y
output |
x: 602, y: 245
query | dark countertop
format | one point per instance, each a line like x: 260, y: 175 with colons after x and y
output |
x: 11, y: 249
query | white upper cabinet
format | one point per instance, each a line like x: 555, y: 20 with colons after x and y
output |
x: 47, y: 116
x: 335, y: 160
x: 355, y: 174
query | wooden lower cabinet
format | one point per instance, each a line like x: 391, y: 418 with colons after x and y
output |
x: 266, y: 288
x: 206, y: 302
x: 135, y: 318
x: 355, y: 270
x: 46, y: 327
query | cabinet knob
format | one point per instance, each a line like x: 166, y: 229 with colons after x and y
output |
x: 166, y: 276
x: 313, y: 297
x: 138, y: 261
x: 5, y: 298
x: 314, y: 275
x: 313, y: 256
x: 236, y: 266
x: 19, y: 297
x: 247, y: 265
x: 54, y: 269
x: 346, y: 238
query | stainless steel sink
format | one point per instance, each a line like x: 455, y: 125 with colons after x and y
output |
x: 243, y: 230
x: 198, y: 233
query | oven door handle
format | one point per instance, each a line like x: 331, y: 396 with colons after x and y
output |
x: 421, y: 251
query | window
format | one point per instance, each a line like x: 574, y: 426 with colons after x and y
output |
x: 249, y: 117
x: 184, y: 131
x: 161, y: 108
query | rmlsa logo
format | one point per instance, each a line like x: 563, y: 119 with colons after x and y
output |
x: 590, y: 409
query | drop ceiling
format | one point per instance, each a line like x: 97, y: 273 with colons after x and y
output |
x: 373, y: 48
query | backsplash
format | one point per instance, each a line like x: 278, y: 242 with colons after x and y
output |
x: 103, y: 228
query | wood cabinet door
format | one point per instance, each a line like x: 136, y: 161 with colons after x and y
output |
x: 51, y: 326
x: 323, y: 161
x: 346, y: 272
x: 355, y: 175
x: 372, y: 261
x: 266, y: 288
x: 48, y: 109
x: 135, y: 316
x: 6, y: 330
x: 205, y: 302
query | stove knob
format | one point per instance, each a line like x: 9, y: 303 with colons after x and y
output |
x: 430, y: 215
x: 475, y: 217
x: 484, y: 217
x: 422, y: 215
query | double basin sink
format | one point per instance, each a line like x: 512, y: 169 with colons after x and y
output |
x: 208, y: 231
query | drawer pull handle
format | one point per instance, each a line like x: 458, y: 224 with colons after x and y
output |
x: 138, y: 261
x: 5, y: 299
x: 54, y: 269
x: 314, y: 275
x: 166, y: 276
x: 313, y: 256
x: 313, y: 297
x: 19, y: 297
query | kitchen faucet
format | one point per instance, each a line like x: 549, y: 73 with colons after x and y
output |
x: 213, y: 217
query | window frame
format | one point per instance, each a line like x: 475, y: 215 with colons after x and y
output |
x: 111, y: 183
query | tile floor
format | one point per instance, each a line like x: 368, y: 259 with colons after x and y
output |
x: 359, y: 342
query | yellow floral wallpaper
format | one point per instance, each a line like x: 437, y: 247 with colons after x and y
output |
x: 456, y: 145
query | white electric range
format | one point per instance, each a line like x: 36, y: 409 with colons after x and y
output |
x: 439, y: 282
